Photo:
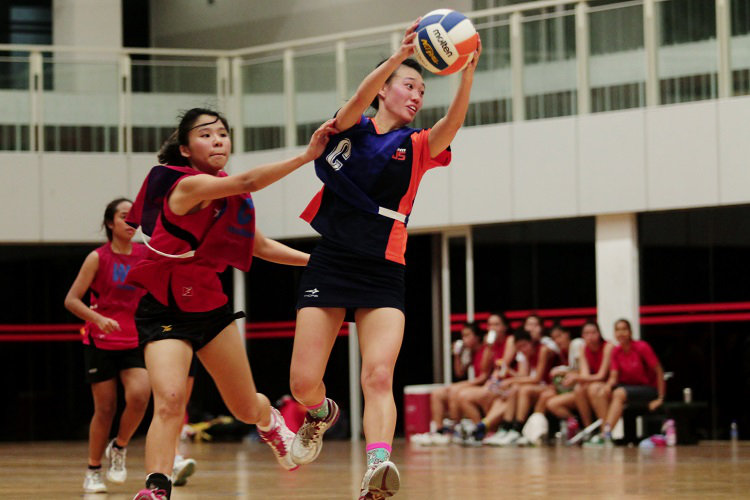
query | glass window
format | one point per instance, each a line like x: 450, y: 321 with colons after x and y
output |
x: 315, y: 91
x: 740, y: 46
x: 550, y: 73
x: 687, y: 52
x: 617, y: 64
x: 263, y: 107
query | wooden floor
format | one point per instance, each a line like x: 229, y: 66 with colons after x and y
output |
x: 248, y: 471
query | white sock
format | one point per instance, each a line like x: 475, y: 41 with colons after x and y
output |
x: 271, y: 423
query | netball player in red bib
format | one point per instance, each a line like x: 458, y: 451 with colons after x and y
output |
x: 201, y: 220
x: 371, y: 172
x: 111, y: 344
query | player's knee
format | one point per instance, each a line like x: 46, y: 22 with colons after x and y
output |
x: 170, y: 405
x: 377, y: 379
x: 138, y: 399
x: 248, y: 414
x: 105, y: 409
x: 301, y: 386
x: 620, y: 394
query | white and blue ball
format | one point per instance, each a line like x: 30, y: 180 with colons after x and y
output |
x: 445, y: 41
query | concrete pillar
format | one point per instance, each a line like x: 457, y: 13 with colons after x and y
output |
x: 91, y: 24
x: 617, y: 279
x: 96, y: 23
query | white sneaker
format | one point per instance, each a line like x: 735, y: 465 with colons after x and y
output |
x: 439, y: 439
x: 280, y: 439
x: 496, y: 438
x: 308, y: 441
x: 510, y: 438
x: 421, y: 439
x: 523, y: 441
x: 117, y: 473
x: 183, y: 469
x: 93, y: 482
x: 380, y: 482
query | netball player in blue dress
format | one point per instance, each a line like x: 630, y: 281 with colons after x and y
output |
x: 371, y: 172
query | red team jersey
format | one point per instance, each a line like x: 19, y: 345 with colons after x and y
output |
x: 637, y: 366
x: 221, y: 234
x: 386, y: 169
x: 594, y: 358
x: 113, y: 298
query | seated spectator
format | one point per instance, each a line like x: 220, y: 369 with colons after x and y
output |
x: 468, y: 353
x: 557, y: 387
x: 475, y: 400
x: 636, y: 377
x: 592, y: 375
x: 522, y: 390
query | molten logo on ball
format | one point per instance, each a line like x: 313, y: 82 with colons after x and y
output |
x: 443, y: 43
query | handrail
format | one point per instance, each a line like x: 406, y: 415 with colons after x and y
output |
x: 290, y: 44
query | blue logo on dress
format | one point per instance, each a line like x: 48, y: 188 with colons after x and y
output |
x: 120, y: 272
x: 245, y: 215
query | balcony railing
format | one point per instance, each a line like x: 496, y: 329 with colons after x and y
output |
x: 544, y: 59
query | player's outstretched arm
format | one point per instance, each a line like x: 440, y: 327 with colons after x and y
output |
x: 273, y: 251
x: 351, y: 112
x: 195, y: 189
x: 443, y: 132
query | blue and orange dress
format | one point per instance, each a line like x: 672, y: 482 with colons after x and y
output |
x: 370, y: 183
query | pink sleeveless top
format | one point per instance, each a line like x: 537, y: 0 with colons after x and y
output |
x: 113, y: 298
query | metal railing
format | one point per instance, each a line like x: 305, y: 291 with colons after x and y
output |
x: 543, y: 59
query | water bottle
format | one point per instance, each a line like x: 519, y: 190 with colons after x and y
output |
x: 733, y: 432
x: 670, y: 433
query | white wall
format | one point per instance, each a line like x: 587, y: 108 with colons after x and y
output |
x: 232, y: 24
x: 680, y: 156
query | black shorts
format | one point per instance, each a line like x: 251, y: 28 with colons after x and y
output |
x: 155, y: 321
x: 193, y: 367
x: 103, y: 364
x: 639, y: 395
x: 338, y: 277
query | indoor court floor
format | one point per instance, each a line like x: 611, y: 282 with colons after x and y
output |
x: 248, y: 470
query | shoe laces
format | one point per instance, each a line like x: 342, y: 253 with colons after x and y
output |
x: 118, y: 458
x: 310, y: 430
x: 95, y: 476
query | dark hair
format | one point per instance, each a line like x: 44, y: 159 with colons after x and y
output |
x: 502, y: 318
x: 409, y: 63
x: 474, y: 327
x: 559, y: 326
x: 596, y: 325
x: 521, y: 334
x: 169, y: 153
x: 109, y: 215
x: 623, y: 320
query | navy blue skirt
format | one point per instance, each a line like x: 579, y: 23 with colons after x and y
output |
x: 338, y: 277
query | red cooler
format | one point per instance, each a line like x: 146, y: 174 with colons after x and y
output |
x: 417, y: 412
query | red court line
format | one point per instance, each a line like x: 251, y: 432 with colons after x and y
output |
x: 677, y: 308
x: 68, y: 327
x: 695, y: 318
x: 40, y: 337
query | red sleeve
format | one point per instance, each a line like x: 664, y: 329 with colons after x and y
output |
x: 647, y: 353
x: 421, y: 145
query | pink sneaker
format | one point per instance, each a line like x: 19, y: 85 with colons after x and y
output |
x: 279, y: 438
x: 145, y: 494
